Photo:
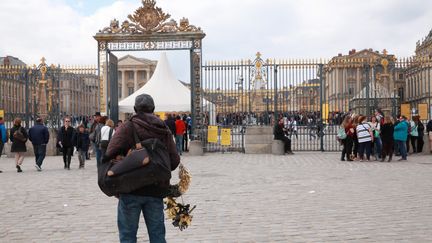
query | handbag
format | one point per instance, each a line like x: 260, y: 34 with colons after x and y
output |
x: 147, y: 164
x: 376, y: 134
x: 18, y: 135
x: 341, y: 133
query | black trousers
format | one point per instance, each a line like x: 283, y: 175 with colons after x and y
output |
x: 356, y: 147
x: 408, y: 143
x: 414, y: 144
x: 387, y: 149
x: 287, y: 144
x: 420, y: 143
x: 365, y: 147
x: 347, y: 147
x: 67, y: 156
x: 185, y: 142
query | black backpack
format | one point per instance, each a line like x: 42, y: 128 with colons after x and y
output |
x: 135, y: 175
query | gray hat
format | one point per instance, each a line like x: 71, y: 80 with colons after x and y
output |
x: 144, y: 103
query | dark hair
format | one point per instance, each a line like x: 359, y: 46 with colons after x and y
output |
x: 102, y: 119
x: 17, y: 122
x: 178, y: 117
x: 144, y: 104
x: 39, y: 120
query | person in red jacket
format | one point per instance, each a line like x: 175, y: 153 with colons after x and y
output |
x: 180, y: 131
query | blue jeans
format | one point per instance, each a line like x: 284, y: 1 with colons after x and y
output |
x: 179, y: 143
x: 39, y: 152
x: 98, y: 154
x: 129, y: 210
x: 402, y: 148
x: 377, y: 147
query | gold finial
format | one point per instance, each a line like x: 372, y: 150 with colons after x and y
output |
x: 43, y: 60
x: 385, y: 52
x: 258, y: 55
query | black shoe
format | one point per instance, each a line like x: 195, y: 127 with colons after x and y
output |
x: 19, y: 168
x: 342, y: 159
x: 1, y: 171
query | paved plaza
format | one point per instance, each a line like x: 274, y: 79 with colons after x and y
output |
x: 308, y: 197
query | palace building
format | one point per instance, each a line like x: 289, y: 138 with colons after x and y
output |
x: 133, y: 73
x: 362, y: 80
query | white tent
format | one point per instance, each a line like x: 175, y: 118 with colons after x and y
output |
x: 167, y: 92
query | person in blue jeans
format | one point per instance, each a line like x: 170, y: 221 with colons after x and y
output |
x: 400, y: 136
x: 3, y: 136
x: 39, y: 136
x: 147, y: 199
x: 128, y: 213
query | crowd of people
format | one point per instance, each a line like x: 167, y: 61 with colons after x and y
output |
x: 378, y: 137
x: 79, y: 138
x: 80, y: 134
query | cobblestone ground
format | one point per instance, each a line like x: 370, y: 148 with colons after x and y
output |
x: 308, y: 197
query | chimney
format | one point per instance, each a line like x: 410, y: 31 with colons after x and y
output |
x: 340, y: 54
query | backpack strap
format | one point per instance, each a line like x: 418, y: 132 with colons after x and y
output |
x: 135, y: 134
x: 110, y: 134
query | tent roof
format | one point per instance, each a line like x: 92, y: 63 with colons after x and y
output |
x: 168, y: 93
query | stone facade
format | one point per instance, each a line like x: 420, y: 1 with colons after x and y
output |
x: 418, y: 76
x: 133, y: 73
x: 346, y: 80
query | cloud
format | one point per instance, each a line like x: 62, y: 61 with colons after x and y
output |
x: 63, y: 32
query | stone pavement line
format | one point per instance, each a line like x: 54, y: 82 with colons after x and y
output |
x: 308, y: 197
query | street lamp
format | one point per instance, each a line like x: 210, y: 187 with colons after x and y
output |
x: 239, y: 84
x: 366, y: 71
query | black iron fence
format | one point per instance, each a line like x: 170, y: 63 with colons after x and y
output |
x: 312, y: 95
x: 50, y: 92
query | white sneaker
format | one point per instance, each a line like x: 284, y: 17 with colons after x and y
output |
x: 38, y: 168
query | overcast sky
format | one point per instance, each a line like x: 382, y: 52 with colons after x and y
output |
x: 62, y: 30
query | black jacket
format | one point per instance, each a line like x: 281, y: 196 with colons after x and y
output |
x: 420, y: 129
x: 387, y: 133
x: 146, y: 126
x: 18, y: 146
x: 278, y: 132
x: 81, y: 141
x: 66, y: 136
x: 39, y: 134
x: 170, y: 123
x: 429, y: 126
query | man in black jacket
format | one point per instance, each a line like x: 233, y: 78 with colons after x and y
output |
x: 39, y: 136
x: 148, y: 199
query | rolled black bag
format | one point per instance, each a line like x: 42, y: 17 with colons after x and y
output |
x: 131, y: 173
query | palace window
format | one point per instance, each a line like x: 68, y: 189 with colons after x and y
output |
x: 130, y: 90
